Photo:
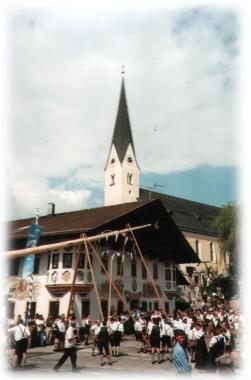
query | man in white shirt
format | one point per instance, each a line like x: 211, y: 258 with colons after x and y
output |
x: 166, y: 334
x: 70, y: 346
x: 21, y: 335
x: 94, y: 331
x: 117, y: 330
x: 61, y: 331
x: 138, y: 328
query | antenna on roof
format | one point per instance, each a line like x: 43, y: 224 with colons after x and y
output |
x: 155, y: 184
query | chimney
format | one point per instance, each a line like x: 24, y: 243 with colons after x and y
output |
x: 51, y: 208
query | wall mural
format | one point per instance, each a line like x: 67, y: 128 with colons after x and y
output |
x: 66, y: 275
x: 54, y: 276
x: 19, y: 289
x: 148, y: 290
x: 103, y: 288
x: 132, y: 296
x: 134, y: 285
x: 80, y: 275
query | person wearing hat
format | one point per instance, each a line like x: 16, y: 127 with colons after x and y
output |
x: 180, y: 357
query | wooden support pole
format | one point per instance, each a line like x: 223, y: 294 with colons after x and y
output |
x: 108, y: 278
x: 110, y: 288
x: 72, y: 291
x: 148, y: 272
x: 94, y: 282
x: 115, y: 288
x: 69, y: 243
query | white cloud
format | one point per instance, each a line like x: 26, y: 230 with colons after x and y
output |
x: 181, y: 79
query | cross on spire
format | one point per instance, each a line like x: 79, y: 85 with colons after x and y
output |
x: 123, y: 71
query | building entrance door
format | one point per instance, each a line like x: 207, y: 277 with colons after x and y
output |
x: 104, y: 307
x: 54, y: 309
x: 134, y: 304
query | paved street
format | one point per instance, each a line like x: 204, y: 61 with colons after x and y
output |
x: 42, y: 359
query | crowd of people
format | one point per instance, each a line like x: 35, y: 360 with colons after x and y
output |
x: 203, y: 339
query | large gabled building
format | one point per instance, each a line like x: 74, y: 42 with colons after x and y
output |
x: 195, y: 221
x: 162, y: 245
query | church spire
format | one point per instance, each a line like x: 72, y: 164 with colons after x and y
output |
x: 121, y: 170
x: 122, y: 134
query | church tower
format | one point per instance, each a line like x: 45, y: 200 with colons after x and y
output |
x: 121, y: 170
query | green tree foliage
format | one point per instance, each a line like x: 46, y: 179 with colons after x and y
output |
x: 228, y: 285
x: 181, y: 304
x: 226, y: 226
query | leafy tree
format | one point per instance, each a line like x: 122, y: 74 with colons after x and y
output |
x: 181, y: 303
x: 228, y: 285
x: 226, y: 226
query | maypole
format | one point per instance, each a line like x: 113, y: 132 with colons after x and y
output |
x: 31, y: 265
x: 69, y: 243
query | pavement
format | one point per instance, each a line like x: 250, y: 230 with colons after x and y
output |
x: 41, y: 360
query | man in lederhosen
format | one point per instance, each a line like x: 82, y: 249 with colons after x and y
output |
x: 117, y: 331
x: 21, y: 335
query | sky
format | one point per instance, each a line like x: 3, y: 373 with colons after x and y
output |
x: 182, y: 79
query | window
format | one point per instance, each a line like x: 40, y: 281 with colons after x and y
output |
x: 129, y: 179
x: 156, y: 305
x: 48, y: 261
x: 88, y: 265
x: 189, y: 271
x: 212, y: 252
x: 167, y: 307
x: 67, y: 260
x: 112, y: 180
x: 104, y: 260
x: 174, y: 274
x: 143, y: 272
x: 54, y: 309
x: 36, y: 264
x: 150, y: 305
x: 113, y: 161
x: 85, y: 308
x: 144, y: 306
x: 81, y: 263
x: 120, y: 308
x: 167, y: 274
x: 134, y: 268
x: 120, y: 268
x: 55, y: 260
x: 155, y: 271
x: 129, y: 159
x: 14, y: 266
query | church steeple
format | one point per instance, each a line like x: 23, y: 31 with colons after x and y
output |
x: 121, y: 171
x: 122, y: 134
